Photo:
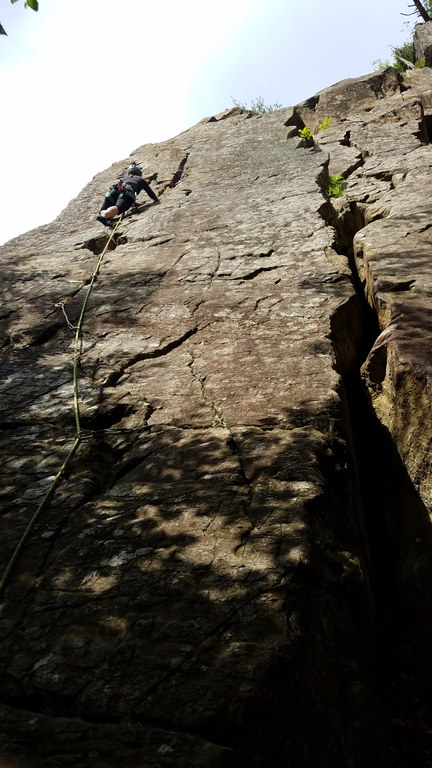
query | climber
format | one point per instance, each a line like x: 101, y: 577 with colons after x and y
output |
x: 122, y: 195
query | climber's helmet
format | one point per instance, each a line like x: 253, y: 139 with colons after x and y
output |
x: 134, y: 170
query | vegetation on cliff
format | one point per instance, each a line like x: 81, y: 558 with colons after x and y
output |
x: 403, y: 55
x: 257, y: 106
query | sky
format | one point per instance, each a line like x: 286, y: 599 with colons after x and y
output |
x: 83, y: 83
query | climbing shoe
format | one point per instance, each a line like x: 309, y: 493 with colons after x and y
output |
x: 103, y: 220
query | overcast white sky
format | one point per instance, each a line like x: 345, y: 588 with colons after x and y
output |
x: 85, y: 82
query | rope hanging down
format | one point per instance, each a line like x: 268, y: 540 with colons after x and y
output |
x: 43, y: 504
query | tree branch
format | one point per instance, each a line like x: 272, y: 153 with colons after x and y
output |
x: 407, y: 63
x: 421, y: 10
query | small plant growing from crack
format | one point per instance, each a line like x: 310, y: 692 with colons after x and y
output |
x: 326, y: 123
x: 306, y: 133
x: 334, y: 186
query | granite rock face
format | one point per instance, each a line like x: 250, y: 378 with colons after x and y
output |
x: 423, y: 42
x: 234, y: 569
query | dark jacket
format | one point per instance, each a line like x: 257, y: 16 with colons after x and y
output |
x: 137, y: 184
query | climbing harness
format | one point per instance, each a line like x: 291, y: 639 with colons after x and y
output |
x: 78, y: 434
x: 121, y: 188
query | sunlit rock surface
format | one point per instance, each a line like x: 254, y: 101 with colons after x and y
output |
x: 235, y: 568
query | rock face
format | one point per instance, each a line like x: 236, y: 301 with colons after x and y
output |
x: 423, y: 42
x: 234, y: 568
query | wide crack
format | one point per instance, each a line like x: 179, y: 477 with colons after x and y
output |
x: 388, y: 506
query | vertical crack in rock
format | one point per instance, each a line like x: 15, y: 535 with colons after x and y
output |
x: 219, y: 420
x: 172, y: 178
x: 355, y: 329
x: 235, y: 448
x: 179, y: 174
x: 389, y: 505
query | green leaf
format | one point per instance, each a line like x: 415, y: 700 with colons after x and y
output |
x: 2, y: 30
x: 335, y: 186
x: 33, y: 4
x: 305, y: 133
x: 13, y: 1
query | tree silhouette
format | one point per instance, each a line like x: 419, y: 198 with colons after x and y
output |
x: 421, y: 9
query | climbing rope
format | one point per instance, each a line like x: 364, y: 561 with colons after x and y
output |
x: 78, y: 437
x: 78, y: 329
